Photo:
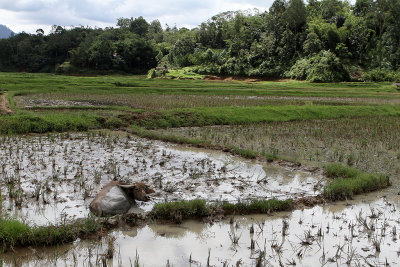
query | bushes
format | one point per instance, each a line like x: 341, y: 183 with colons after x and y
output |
x: 381, y: 75
x: 349, y: 182
x: 323, y: 67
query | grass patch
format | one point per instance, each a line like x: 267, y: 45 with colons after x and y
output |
x: 27, y: 123
x: 349, y: 182
x: 245, y: 153
x: 257, y: 206
x: 180, y: 210
x: 337, y: 170
x: 141, y: 132
x: 14, y: 233
x: 246, y: 115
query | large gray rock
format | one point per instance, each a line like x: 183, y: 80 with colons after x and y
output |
x: 117, y: 198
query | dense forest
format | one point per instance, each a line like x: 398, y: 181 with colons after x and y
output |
x: 328, y: 40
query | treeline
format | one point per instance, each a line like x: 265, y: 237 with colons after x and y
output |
x: 328, y: 40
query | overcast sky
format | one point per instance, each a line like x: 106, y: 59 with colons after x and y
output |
x: 29, y: 15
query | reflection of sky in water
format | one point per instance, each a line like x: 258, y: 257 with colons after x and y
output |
x: 155, y: 244
x: 67, y: 169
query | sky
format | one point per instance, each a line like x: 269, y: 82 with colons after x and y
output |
x: 30, y: 15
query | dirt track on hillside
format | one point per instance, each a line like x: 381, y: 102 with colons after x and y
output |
x: 4, y: 108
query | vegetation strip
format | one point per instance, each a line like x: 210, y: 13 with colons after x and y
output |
x: 16, y: 234
x: 349, y: 182
x: 186, y: 209
x: 247, y: 115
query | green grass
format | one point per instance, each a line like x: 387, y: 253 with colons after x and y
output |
x: 258, y: 114
x: 192, y: 209
x: 119, y: 101
x: 16, y: 234
x: 51, y: 122
x: 180, y: 210
x: 349, y: 182
x: 337, y: 170
x: 257, y: 206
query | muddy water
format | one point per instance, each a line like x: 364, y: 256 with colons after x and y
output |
x: 55, y: 177
x: 334, y: 235
x: 51, y: 179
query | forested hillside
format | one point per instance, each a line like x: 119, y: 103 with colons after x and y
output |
x: 328, y: 40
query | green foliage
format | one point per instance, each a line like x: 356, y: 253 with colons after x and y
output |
x: 323, y: 67
x: 322, y: 34
x: 382, y: 75
x: 151, y: 74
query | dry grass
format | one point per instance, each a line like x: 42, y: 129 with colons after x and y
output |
x: 371, y: 144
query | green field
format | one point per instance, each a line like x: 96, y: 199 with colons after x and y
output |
x: 355, y: 126
x: 45, y: 102
x: 352, y: 123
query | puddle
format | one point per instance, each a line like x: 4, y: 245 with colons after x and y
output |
x: 334, y: 235
x: 32, y: 103
x: 53, y: 178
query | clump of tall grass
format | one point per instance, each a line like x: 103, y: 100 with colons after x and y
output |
x: 337, y: 170
x: 257, y: 206
x: 180, y: 210
x: 349, y: 182
x: 246, y: 153
x: 15, y: 233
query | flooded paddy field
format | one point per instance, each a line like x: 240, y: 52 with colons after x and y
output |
x: 361, y: 232
x: 52, y: 179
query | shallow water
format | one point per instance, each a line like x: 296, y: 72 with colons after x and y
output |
x: 70, y: 170
x: 54, y: 178
x: 332, y: 235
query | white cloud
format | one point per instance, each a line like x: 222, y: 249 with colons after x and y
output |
x: 29, y: 15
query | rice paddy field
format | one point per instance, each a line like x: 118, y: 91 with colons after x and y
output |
x: 245, y: 172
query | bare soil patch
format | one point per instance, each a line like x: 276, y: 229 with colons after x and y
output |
x: 4, y: 108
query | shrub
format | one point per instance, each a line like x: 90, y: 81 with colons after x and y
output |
x: 323, y: 67
x: 381, y: 75
x: 152, y: 74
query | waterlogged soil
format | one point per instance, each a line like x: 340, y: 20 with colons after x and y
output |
x: 361, y: 232
x: 31, y: 103
x: 52, y: 179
